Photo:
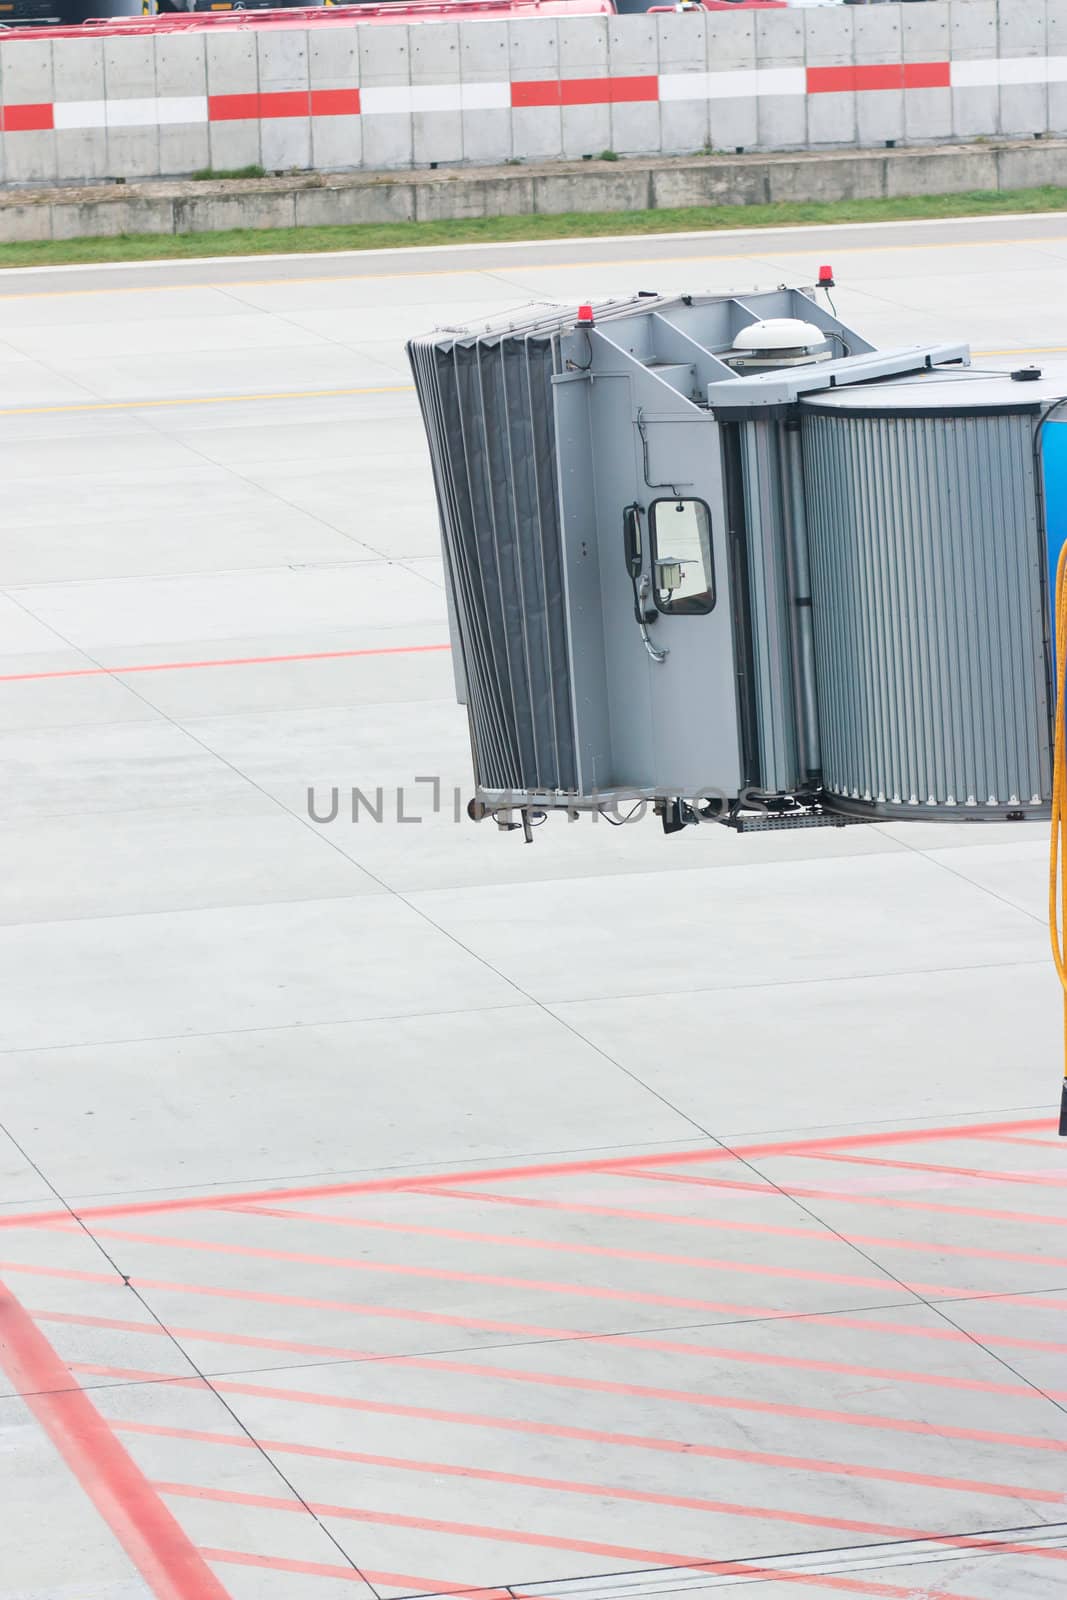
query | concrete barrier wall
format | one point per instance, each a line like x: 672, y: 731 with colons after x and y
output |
x: 644, y: 183
x: 340, y: 96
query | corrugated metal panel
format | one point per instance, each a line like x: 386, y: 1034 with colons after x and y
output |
x: 771, y: 604
x: 487, y: 407
x: 926, y: 578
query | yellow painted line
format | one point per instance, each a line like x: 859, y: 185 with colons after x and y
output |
x: 201, y: 400
x: 330, y: 394
x: 1026, y: 350
x: 499, y: 270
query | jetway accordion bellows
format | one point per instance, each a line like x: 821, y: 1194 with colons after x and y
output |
x: 487, y: 405
x: 927, y: 592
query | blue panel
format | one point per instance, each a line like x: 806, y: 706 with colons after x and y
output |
x: 1054, y: 469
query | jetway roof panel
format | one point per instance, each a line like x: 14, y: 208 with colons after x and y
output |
x: 948, y: 389
x: 545, y: 317
x: 783, y: 386
x: 550, y: 318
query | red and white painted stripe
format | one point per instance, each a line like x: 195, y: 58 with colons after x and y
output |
x: 406, y: 99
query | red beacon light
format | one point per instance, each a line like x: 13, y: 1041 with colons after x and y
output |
x: 826, y: 278
x: 585, y: 317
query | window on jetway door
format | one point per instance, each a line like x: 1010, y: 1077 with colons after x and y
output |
x: 683, y: 571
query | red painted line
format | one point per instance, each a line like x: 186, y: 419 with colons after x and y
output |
x: 221, y: 1202
x: 854, y: 1141
x: 640, y: 1442
x: 594, y: 1435
x: 582, y: 1208
x: 313, y: 1303
x: 722, y: 1402
x: 208, y: 1336
x: 864, y: 79
x: 833, y: 1319
x: 841, y: 80
x: 536, y: 1285
x: 608, y: 91
x: 630, y: 1341
x: 146, y: 1530
x: 285, y: 103
x: 229, y: 661
x: 422, y: 1180
x: 984, y: 1175
x: 60, y: 1272
x: 585, y: 91
x: 323, y: 1569
x: 545, y: 93
x: 625, y: 1341
x: 97, y: 1369
x: 926, y: 75
x: 580, y: 1291
x: 27, y: 118
x: 543, y: 1541
x: 999, y: 1138
x: 233, y: 107
x: 566, y: 1247
x: 306, y: 1569
x: 650, y: 1175
x: 590, y: 91
x: 737, y: 1185
x: 903, y: 1330
x: 628, y: 91
x: 599, y: 1491
x: 335, y: 103
x: 720, y: 1224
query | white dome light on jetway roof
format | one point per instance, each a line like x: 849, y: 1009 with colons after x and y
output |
x: 779, y: 333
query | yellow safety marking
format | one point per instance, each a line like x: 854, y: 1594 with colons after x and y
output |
x: 1057, y: 878
x: 541, y: 266
x: 201, y: 400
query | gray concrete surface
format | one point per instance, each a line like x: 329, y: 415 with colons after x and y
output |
x: 546, y: 189
x: 420, y: 1210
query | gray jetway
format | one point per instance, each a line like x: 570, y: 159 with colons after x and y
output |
x: 719, y: 551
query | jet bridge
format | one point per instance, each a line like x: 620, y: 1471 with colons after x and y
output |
x: 719, y: 552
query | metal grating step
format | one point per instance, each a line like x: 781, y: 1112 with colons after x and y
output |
x: 796, y: 819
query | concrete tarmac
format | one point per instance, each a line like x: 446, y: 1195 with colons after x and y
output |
x: 386, y: 1205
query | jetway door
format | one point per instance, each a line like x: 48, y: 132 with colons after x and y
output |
x: 665, y: 582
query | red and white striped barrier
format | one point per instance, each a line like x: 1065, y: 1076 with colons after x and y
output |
x: 414, y: 99
x: 343, y: 96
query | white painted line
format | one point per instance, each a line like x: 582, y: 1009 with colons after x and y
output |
x: 181, y: 108
x: 408, y: 99
x: 80, y: 113
x: 153, y: 111
x: 485, y: 96
x: 997, y: 70
x: 779, y: 80
x: 733, y: 85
